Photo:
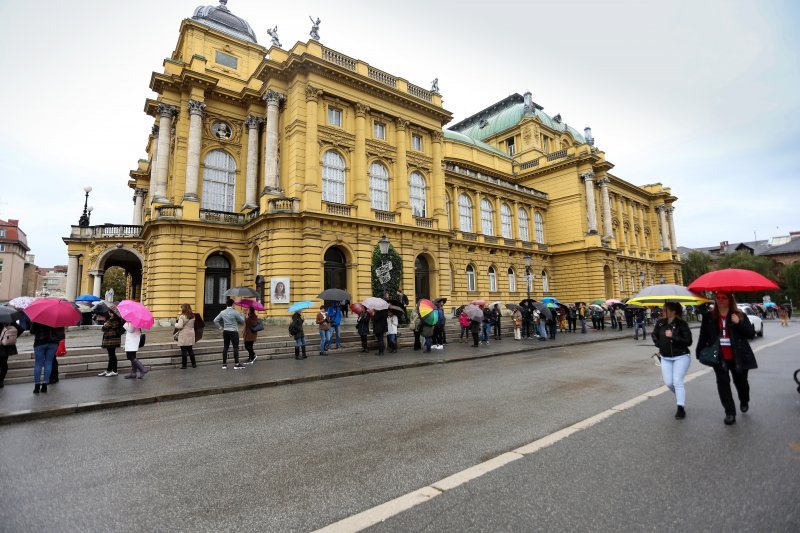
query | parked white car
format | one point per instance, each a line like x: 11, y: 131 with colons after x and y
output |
x: 753, y: 318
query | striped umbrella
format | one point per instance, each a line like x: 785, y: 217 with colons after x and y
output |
x: 427, y: 312
x: 658, y: 295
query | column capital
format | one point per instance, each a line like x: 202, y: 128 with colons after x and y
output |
x: 361, y: 110
x: 401, y: 123
x: 154, y: 130
x: 274, y: 97
x: 437, y: 136
x: 140, y: 191
x: 660, y: 207
x: 196, y: 107
x: 312, y: 93
x: 669, y: 210
x: 253, y: 122
x: 603, y: 182
x: 587, y: 176
x: 167, y: 111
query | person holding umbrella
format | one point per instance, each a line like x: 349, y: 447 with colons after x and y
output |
x: 184, y: 329
x: 379, y: 328
x: 730, y: 327
x: 362, y: 327
x: 48, y: 318
x: 252, y: 325
x: 296, y: 331
x: 324, y: 324
x: 112, y: 339
x: 673, y: 338
x: 391, y: 331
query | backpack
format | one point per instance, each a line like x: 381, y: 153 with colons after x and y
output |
x: 292, y: 329
x: 120, y: 329
x: 199, y: 325
x: 9, y: 336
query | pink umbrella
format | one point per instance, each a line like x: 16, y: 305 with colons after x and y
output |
x: 251, y: 304
x: 479, y: 303
x: 138, y: 315
x: 53, y: 312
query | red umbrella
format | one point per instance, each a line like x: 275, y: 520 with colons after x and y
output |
x: 251, y: 304
x: 53, y: 312
x: 732, y: 280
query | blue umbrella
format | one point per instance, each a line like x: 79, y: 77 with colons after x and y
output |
x: 550, y: 300
x: 87, y: 298
x: 299, y: 306
x: 770, y: 304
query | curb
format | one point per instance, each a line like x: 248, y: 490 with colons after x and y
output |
x: 15, y: 417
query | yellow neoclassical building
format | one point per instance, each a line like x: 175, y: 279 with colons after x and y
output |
x: 284, y: 168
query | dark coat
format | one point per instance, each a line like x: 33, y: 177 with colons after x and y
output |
x: 740, y: 334
x: 297, y: 326
x: 679, y: 344
x: 46, y: 335
x: 111, y: 337
x: 362, y: 325
x: 247, y: 334
x: 5, y: 351
x: 379, y: 325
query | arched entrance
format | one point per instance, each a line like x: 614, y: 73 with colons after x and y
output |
x: 218, y: 280
x: 422, y: 278
x: 335, y: 269
x: 609, y: 281
x: 128, y: 260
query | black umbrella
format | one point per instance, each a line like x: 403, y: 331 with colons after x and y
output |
x: 337, y: 295
x: 241, y: 292
x: 544, y: 310
x: 8, y: 314
x: 442, y: 300
x: 513, y: 307
x: 527, y: 301
x: 459, y: 310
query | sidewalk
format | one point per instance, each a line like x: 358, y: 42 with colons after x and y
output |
x: 18, y: 403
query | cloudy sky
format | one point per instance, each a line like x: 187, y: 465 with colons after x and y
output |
x: 699, y: 95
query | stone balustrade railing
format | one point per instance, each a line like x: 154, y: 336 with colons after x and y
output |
x: 109, y: 231
x: 221, y: 217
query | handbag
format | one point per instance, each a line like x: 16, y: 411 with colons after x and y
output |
x: 257, y: 327
x: 61, y: 349
x: 142, y: 340
x: 710, y: 355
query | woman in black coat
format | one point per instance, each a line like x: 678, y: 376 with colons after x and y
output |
x: 362, y: 327
x: 730, y: 327
x: 673, y: 338
x: 379, y: 328
x: 7, y: 350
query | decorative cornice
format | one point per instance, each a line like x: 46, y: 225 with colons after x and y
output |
x: 196, y: 107
x: 167, y: 111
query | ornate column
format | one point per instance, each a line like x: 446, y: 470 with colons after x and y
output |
x: 273, y: 100
x: 662, y: 215
x: 312, y: 177
x: 621, y: 211
x: 72, y: 277
x: 98, y: 282
x: 196, y: 109
x: 166, y: 113
x: 401, y: 184
x: 607, y: 230
x: 591, y: 209
x: 361, y: 197
x: 138, y: 200
x: 437, y: 177
x: 642, y: 240
x: 632, y: 213
x: 671, y: 222
x: 251, y: 177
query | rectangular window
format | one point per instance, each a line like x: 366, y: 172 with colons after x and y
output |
x: 545, y: 145
x: 510, y: 146
x: 416, y: 142
x: 380, y: 131
x: 2, y: 247
x: 1, y: 265
x: 226, y: 60
x: 2, y: 232
x: 334, y: 116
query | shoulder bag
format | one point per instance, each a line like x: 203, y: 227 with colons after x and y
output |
x: 710, y: 355
x: 258, y: 326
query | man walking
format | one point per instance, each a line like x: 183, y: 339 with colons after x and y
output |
x: 335, y: 317
x: 638, y: 323
x: 229, y: 320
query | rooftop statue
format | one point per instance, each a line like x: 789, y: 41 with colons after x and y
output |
x: 274, y: 34
x: 435, y: 85
x: 314, y: 33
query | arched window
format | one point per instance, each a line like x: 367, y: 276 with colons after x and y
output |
x: 333, y: 177
x: 471, y: 278
x: 505, y: 222
x: 219, y: 181
x: 512, y: 280
x: 487, y: 217
x: 465, y: 213
x: 522, y: 215
x: 447, y: 210
x: 539, y: 222
x: 545, y: 282
x: 492, y: 280
x: 621, y: 283
x: 378, y: 187
x: 419, y: 206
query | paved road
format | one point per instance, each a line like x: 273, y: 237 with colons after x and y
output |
x: 302, y: 457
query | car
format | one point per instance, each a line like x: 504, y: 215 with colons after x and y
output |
x: 754, y: 319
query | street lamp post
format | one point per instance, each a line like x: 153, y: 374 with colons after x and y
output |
x: 383, y: 245
x: 84, y: 220
x: 528, y: 274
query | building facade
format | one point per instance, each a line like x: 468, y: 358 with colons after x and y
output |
x: 13, y: 252
x: 270, y: 166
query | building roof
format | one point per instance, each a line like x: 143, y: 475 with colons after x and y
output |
x: 461, y: 138
x: 506, y: 114
x: 791, y: 247
x: 14, y: 235
x: 220, y: 18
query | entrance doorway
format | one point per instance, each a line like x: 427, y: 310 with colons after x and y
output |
x: 335, y: 269
x: 422, y: 278
x: 218, y: 280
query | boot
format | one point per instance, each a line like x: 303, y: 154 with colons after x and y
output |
x: 141, y: 368
x: 304, y: 352
x: 36, y: 389
x: 296, y: 352
x: 44, y: 387
x: 364, y: 345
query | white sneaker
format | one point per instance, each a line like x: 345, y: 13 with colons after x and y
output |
x: 238, y: 366
x: 109, y: 374
x: 224, y: 367
x: 103, y: 374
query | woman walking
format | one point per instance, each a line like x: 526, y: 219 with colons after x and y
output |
x: 132, y: 337
x: 112, y: 339
x: 730, y: 327
x: 673, y: 338
x: 250, y: 334
x: 362, y: 327
x: 45, y: 342
x: 186, y: 337
x: 296, y: 331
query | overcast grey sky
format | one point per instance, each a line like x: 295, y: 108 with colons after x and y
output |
x: 699, y: 95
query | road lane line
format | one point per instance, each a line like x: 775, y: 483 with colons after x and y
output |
x: 380, y: 513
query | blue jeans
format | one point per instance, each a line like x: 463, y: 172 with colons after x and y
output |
x: 464, y: 332
x: 673, y: 370
x: 485, y: 332
x: 335, y: 329
x: 391, y: 339
x: 636, y: 327
x: 299, y: 341
x: 324, y: 339
x: 44, y: 354
x: 428, y: 343
x: 583, y: 325
x: 540, y: 330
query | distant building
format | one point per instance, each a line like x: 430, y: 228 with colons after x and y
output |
x: 30, y: 276
x: 788, y: 252
x: 13, y: 249
x: 784, y: 249
x: 53, y: 282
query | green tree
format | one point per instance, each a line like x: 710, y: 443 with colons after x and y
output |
x: 791, y: 279
x: 695, y: 265
x: 115, y: 278
x: 759, y: 263
x: 393, y: 284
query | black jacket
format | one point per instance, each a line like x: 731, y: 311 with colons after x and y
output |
x: 362, y: 325
x: 681, y: 341
x: 379, y: 325
x: 45, y: 334
x: 740, y: 334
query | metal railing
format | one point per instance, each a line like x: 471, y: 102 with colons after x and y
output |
x: 221, y: 217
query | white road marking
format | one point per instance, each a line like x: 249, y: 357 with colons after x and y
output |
x: 378, y: 514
